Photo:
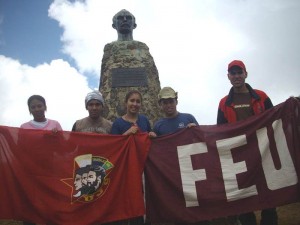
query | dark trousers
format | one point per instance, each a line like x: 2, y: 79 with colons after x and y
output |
x: 268, y: 217
x: 196, y: 223
x: 133, y: 221
x: 137, y: 221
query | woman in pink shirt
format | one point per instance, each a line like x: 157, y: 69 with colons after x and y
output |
x: 37, y: 107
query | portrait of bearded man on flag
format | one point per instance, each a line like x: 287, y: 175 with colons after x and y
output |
x: 90, y: 174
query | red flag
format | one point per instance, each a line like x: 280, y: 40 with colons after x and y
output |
x: 208, y: 172
x: 71, y: 178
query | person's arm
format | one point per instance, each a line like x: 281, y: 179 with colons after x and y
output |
x: 151, y: 134
x: 24, y: 126
x: 193, y: 122
x: 118, y: 127
x: 221, y: 118
x: 268, y: 103
x: 155, y: 129
x: 149, y: 129
x: 114, y: 129
x: 58, y: 127
x: 74, y: 127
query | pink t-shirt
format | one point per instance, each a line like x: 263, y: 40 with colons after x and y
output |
x: 48, y: 125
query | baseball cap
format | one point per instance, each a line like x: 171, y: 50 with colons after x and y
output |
x: 167, y: 92
x: 94, y: 95
x: 238, y: 63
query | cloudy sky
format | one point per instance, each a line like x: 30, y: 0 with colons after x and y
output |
x: 54, y: 48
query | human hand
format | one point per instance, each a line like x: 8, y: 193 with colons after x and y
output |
x: 132, y: 130
x: 151, y: 134
x: 54, y: 130
x: 191, y: 125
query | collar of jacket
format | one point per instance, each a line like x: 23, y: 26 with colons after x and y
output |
x: 253, y: 94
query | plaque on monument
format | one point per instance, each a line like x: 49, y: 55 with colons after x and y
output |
x: 129, y: 77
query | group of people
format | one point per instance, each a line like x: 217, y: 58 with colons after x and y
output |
x: 242, y: 102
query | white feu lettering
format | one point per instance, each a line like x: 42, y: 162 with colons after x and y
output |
x: 286, y: 175
x: 230, y: 169
x: 188, y: 175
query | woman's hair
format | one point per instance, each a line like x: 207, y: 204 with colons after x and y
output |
x: 37, y: 97
x: 131, y: 93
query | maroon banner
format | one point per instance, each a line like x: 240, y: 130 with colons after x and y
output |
x: 71, y: 178
x: 208, y: 172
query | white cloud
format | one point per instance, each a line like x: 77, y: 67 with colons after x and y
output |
x: 192, y: 43
x: 61, y: 85
x: 182, y: 46
x: 87, y: 28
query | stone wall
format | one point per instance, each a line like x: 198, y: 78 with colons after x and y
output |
x: 129, y: 54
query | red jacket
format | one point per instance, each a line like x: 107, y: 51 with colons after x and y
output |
x: 260, y: 102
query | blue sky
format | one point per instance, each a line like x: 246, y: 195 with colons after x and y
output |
x: 55, y: 47
x: 27, y: 33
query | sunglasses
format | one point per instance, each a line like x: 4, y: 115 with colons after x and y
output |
x: 236, y: 72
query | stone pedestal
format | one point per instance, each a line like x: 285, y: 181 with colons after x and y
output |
x: 128, y: 65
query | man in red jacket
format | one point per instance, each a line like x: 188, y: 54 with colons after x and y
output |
x: 242, y: 102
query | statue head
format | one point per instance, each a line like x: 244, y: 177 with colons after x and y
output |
x: 124, y: 23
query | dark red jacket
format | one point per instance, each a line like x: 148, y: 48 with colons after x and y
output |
x: 260, y: 102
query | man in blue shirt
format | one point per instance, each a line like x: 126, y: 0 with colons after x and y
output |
x: 173, y: 120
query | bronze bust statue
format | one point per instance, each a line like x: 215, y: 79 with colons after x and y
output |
x: 124, y: 23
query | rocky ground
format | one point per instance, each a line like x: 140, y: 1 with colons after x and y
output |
x: 287, y: 215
